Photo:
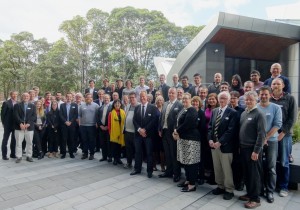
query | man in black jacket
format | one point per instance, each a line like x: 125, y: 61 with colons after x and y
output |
x: 102, y: 122
x: 144, y: 120
x: 167, y: 124
x: 163, y: 87
x: 7, y: 122
x: 221, y: 130
x: 92, y: 90
x: 24, y: 118
x: 68, y: 114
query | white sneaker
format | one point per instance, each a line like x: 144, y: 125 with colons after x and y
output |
x: 283, y: 193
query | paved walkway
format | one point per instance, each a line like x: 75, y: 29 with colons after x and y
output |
x: 88, y: 184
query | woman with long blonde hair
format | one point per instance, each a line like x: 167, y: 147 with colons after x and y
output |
x: 39, y: 130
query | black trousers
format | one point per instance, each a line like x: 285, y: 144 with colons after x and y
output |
x: 37, y: 139
x: 115, y: 150
x: 88, y: 135
x: 170, y: 147
x: 7, y: 131
x: 253, y: 173
x: 105, y: 144
x: 67, y: 138
x: 129, y: 145
x: 52, y: 140
x: 138, y: 142
x: 191, y: 173
x: 77, y: 137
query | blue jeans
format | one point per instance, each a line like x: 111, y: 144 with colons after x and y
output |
x: 271, y: 152
x: 284, y: 147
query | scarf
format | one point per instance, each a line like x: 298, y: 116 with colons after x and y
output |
x: 117, y: 127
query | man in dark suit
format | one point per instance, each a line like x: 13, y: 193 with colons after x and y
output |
x: 99, y: 100
x: 221, y: 132
x: 102, y: 122
x: 168, y: 119
x: 92, y: 90
x: 8, y: 125
x: 24, y: 118
x: 144, y: 120
x: 107, y: 89
x: 164, y: 88
x: 195, y: 88
x: 68, y: 114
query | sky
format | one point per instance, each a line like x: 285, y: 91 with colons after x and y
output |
x: 42, y: 18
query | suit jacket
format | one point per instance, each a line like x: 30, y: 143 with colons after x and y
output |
x: 95, y: 93
x: 7, y: 115
x: 192, y: 90
x: 21, y: 117
x: 226, y: 129
x: 97, y: 101
x: 73, y: 113
x: 165, y: 91
x: 100, y: 114
x: 172, y: 117
x: 148, y: 122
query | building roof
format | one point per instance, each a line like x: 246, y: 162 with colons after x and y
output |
x: 243, y: 37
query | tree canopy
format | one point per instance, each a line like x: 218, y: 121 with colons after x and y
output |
x: 120, y: 44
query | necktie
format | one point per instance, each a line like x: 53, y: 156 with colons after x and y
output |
x: 25, y: 109
x: 217, y: 123
x: 68, y: 111
x: 143, y: 111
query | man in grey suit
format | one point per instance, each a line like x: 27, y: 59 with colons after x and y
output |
x: 167, y: 123
x: 221, y: 130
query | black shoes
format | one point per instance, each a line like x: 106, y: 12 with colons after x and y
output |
x: 270, y: 197
x: 12, y: 156
x: 149, y: 175
x: 115, y: 162
x: 200, y: 181
x: 109, y: 160
x: 91, y: 157
x: 176, y: 178
x: 41, y: 156
x: 18, y: 160
x: 29, y: 159
x: 182, y: 184
x: 164, y: 175
x: 62, y: 156
x: 102, y: 159
x: 135, y: 173
x: 187, y: 189
x: 119, y: 161
x: 218, y: 191
x: 5, y: 158
x: 228, y: 196
x: 72, y: 155
x: 84, y: 156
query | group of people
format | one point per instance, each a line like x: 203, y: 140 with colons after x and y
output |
x: 219, y: 133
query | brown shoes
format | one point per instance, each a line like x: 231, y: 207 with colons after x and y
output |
x: 251, y: 205
x: 244, y: 198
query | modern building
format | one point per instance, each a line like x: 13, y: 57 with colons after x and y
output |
x: 235, y: 44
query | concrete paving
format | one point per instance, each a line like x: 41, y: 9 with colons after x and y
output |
x: 53, y: 183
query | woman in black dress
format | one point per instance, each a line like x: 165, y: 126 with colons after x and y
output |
x: 188, y: 143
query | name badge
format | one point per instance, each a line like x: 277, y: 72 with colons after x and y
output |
x: 226, y: 118
x: 249, y: 118
x: 28, y: 108
x: 84, y: 108
x: 149, y: 115
x: 73, y: 107
x: 280, y: 106
x: 268, y: 113
x: 176, y: 109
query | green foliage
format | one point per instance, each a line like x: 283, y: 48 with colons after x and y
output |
x: 120, y: 44
x: 296, y: 130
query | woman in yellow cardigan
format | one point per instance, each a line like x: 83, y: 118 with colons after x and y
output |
x: 116, y: 122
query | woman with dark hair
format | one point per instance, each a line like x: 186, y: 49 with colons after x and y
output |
x: 128, y: 89
x: 197, y: 104
x: 116, y: 122
x: 53, y: 123
x: 188, y: 143
x: 39, y: 129
x: 212, y: 102
x: 236, y: 84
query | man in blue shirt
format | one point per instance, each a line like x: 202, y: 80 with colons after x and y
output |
x: 274, y: 122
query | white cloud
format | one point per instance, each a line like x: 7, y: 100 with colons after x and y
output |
x: 42, y: 18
